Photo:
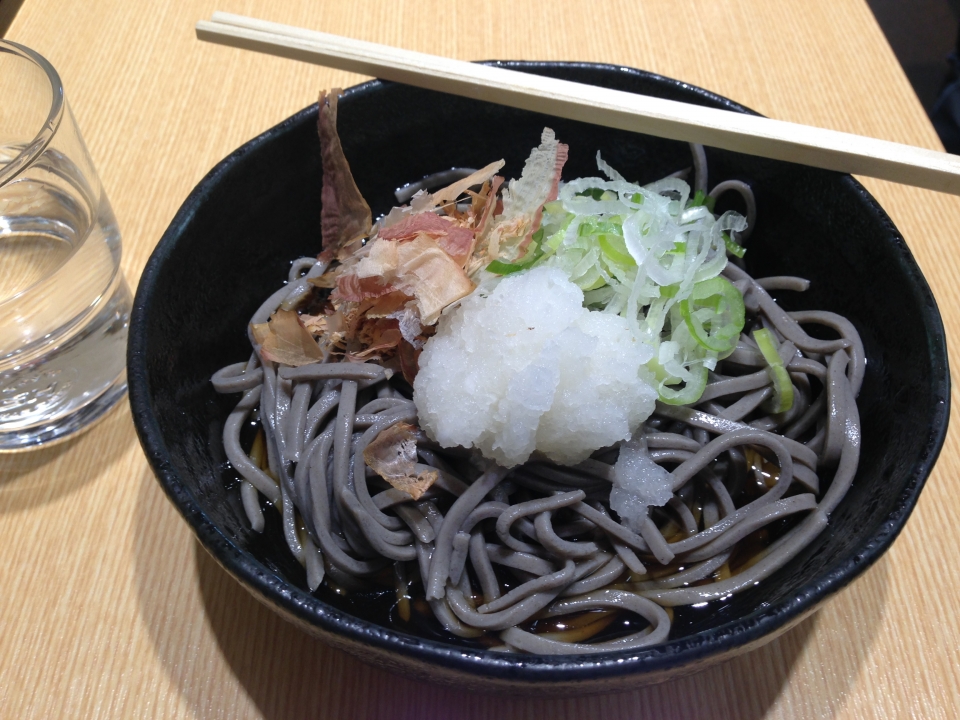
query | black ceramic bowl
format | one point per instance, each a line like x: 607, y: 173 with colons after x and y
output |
x: 230, y: 246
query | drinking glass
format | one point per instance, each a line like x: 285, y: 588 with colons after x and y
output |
x: 64, y: 304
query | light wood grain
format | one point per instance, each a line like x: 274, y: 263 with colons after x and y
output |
x: 749, y: 134
x: 108, y: 608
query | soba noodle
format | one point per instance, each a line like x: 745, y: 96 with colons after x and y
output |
x: 503, y: 553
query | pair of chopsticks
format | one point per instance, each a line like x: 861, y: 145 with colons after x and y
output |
x: 828, y: 149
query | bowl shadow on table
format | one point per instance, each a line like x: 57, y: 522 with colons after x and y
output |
x: 289, y: 674
x: 34, y: 477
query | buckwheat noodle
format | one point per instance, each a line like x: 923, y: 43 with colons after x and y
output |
x: 499, y: 552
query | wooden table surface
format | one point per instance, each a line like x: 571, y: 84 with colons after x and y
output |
x: 110, y: 608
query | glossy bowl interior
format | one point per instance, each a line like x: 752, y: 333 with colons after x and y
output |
x: 231, y: 244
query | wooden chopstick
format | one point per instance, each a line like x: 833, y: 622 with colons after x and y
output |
x: 829, y: 149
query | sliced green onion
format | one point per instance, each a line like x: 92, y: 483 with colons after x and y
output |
x: 782, y: 399
x: 609, y: 227
x: 592, y: 280
x: 595, y: 193
x: 768, y: 346
x: 501, y: 268
x: 689, y: 393
x: 733, y: 247
x: 498, y: 267
x: 558, y: 231
x: 589, y: 242
x: 714, y: 314
x: 614, y: 247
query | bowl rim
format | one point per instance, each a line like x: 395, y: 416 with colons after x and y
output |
x: 736, y: 635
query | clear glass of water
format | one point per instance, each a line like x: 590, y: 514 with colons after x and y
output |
x: 64, y: 305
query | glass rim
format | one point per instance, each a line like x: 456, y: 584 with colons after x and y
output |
x: 45, y: 134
